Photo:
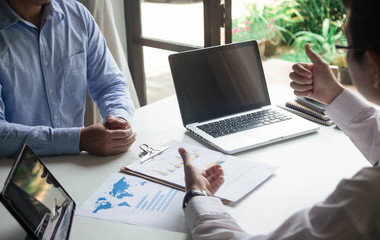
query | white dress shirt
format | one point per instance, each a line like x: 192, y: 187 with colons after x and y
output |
x: 352, y: 211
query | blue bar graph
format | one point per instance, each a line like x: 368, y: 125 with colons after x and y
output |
x: 158, y: 203
x: 153, y: 200
x: 164, y: 200
x: 141, y: 201
x: 144, y: 204
x: 170, y: 200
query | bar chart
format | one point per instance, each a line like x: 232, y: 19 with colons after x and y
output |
x: 159, y: 203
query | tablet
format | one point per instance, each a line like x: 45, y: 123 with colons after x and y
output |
x: 36, y: 199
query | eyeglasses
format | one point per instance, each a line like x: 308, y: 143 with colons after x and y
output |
x: 349, y: 48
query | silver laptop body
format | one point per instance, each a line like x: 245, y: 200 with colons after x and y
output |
x: 227, y: 84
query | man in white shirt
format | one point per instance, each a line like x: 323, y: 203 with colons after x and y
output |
x: 352, y: 211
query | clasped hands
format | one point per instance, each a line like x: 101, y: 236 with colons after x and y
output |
x: 111, y: 137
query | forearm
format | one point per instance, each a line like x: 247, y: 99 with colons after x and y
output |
x: 350, y: 212
x: 43, y: 140
x: 359, y: 121
x: 207, y: 218
x: 114, y: 99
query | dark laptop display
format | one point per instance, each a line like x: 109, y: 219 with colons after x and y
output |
x: 224, y: 101
x: 219, y: 81
x: 36, y: 199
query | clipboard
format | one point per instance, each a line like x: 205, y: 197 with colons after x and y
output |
x: 166, y: 168
x: 148, y: 153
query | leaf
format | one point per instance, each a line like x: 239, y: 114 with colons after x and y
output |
x: 337, y: 36
x: 325, y: 27
x: 311, y: 35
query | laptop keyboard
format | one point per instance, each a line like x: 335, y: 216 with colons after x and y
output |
x: 242, y: 123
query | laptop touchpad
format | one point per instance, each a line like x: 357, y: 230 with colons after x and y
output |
x: 265, y: 134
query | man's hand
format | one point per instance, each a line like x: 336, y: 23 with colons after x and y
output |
x: 114, y: 123
x: 209, y: 181
x: 315, y: 80
x: 99, y: 140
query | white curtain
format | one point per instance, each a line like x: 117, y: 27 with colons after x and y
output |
x: 106, y: 17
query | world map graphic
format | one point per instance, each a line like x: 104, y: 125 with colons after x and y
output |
x: 118, y: 196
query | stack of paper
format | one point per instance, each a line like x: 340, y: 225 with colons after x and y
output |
x: 240, y: 176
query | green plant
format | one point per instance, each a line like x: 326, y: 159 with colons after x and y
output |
x: 266, y: 23
x: 251, y: 25
x: 323, y: 43
x: 284, y: 14
x: 314, y: 12
x: 295, y: 22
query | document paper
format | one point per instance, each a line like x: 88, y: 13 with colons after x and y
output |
x: 129, y: 199
x: 240, y: 176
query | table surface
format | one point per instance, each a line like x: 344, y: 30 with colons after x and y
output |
x: 310, y: 167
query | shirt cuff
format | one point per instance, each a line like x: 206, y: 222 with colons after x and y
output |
x: 344, y: 108
x: 123, y: 114
x: 66, y: 140
x: 202, y: 205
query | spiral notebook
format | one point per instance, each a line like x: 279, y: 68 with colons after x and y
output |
x: 297, y: 106
x: 312, y: 104
x: 306, y: 116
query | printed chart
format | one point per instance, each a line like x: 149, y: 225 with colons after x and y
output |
x: 240, y: 176
x: 159, y: 203
x: 130, y: 199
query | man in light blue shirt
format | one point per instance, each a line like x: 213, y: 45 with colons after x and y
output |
x: 51, y: 51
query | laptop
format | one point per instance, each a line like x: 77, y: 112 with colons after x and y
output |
x: 36, y: 199
x: 223, y: 99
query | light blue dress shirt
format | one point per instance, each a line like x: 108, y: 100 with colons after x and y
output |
x: 44, y: 75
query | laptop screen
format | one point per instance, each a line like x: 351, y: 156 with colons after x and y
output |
x: 218, y: 81
x: 37, y: 200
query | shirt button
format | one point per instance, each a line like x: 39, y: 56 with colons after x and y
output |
x: 55, y: 117
x: 51, y: 90
x: 46, y: 63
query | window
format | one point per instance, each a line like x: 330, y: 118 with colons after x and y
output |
x: 216, y: 30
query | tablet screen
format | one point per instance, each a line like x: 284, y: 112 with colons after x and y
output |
x: 37, y: 200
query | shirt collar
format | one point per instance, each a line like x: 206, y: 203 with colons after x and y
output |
x: 8, y: 17
x: 55, y: 8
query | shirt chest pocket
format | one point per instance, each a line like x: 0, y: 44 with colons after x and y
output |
x: 75, y: 66
x: 75, y: 75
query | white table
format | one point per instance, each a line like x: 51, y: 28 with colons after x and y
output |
x: 309, y: 169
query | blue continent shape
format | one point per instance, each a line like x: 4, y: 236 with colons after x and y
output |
x: 120, y: 188
x: 119, y: 191
x: 124, y: 204
x: 102, y: 203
